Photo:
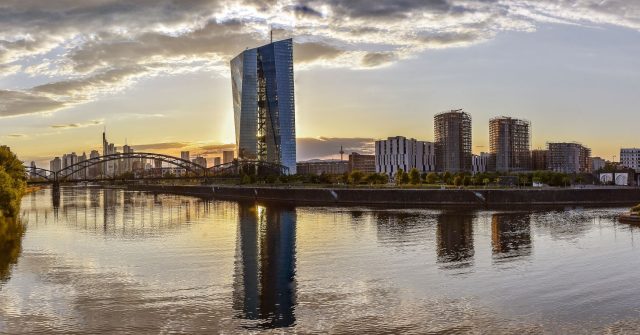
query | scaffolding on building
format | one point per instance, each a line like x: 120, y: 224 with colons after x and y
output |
x: 509, y: 144
x: 452, y: 132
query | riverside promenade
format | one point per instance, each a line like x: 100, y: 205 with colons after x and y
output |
x: 407, y: 197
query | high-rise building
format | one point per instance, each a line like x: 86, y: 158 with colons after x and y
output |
x: 32, y: 172
x: 401, y: 153
x: 200, y: 161
x: 630, y: 157
x: 597, y: 164
x: 185, y: 155
x: 263, y: 104
x: 509, y: 144
x: 539, y: 159
x: 362, y: 163
x: 55, y: 164
x: 568, y: 157
x: 109, y: 168
x: 453, y: 141
x: 217, y: 161
x: 227, y: 156
x: 94, y: 170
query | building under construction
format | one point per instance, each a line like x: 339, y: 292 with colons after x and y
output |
x: 539, y: 160
x: 453, y: 141
x: 568, y: 157
x: 509, y: 144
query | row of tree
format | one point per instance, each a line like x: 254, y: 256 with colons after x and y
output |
x: 415, y: 177
x: 12, y: 183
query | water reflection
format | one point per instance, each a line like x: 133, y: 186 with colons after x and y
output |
x: 454, y: 235
x: 264, y: 281
x: 511, y: 234
x: 117, y: 212
x: 11, y: 234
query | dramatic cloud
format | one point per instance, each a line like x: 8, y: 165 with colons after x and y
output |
x: 82, y: 50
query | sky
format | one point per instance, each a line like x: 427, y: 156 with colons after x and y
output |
x: 155, y: 73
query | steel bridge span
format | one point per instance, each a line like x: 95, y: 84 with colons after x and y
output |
x: 71, y: 172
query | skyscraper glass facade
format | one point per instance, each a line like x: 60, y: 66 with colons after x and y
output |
x: 263, y: 104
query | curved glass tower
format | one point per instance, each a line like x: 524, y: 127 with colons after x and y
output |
x: 263, y: 104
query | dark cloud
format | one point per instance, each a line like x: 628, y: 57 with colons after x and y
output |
x: 13, y: 103
x: 303, y: 10
x: 308, y: 52
x: 384, y: 9
x: 16, y: 135
x: 326, y: 147
x: 377, y: 58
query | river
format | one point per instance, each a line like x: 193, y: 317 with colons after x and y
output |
x: 109, y: 260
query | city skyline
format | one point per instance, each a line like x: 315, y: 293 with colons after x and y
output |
x: 86, y: 66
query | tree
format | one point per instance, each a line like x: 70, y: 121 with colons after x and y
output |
x: 466, y: 180
x: 432, y: 178
x: 401, y: 177
x: 355, y: 177
x: 457, y: 180
x: 414, y: 176
x: 447, y: 178
x: 486, y: 181
x: 566, y: 181
x: 12, y: 183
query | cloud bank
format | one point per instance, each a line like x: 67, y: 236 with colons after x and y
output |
x: 82, y: 50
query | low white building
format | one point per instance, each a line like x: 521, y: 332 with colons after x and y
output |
x: 630, y: 157
x: 401, y: 153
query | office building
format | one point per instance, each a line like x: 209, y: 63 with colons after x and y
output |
x: 200, y: 161
x: 452, y: 131
x: 539, y: 159
x: 94, y: 170
x: 630, y: 157
x: 32, y: 172
x: 55, y: 164
x: 109, y: 168
x: 597, y: 164
x: 362, y: 163
x: 509, y: 144
x: 479, y: 163
x: 185, y: 155
x: 319, y: 167
x: 227, y: 156
x: 263, y: 104
x: 568, y: 157
x: 400, y: 153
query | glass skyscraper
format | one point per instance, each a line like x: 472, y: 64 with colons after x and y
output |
x: 263, y: 104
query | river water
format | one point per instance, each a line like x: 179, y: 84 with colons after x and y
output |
x: 108, y: 260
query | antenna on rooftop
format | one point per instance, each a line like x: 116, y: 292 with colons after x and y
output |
x: 271, y: 33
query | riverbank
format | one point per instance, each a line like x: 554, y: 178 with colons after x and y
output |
x: 473, y: 198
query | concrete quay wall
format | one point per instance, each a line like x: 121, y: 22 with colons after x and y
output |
x: 410, y: 197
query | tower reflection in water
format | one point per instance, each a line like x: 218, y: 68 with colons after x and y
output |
x: 455, y: 240
x: 264, y: 280
x: 511, y: 235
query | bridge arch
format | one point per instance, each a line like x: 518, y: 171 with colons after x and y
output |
x: 175, y: 161
x: 31, y: 171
